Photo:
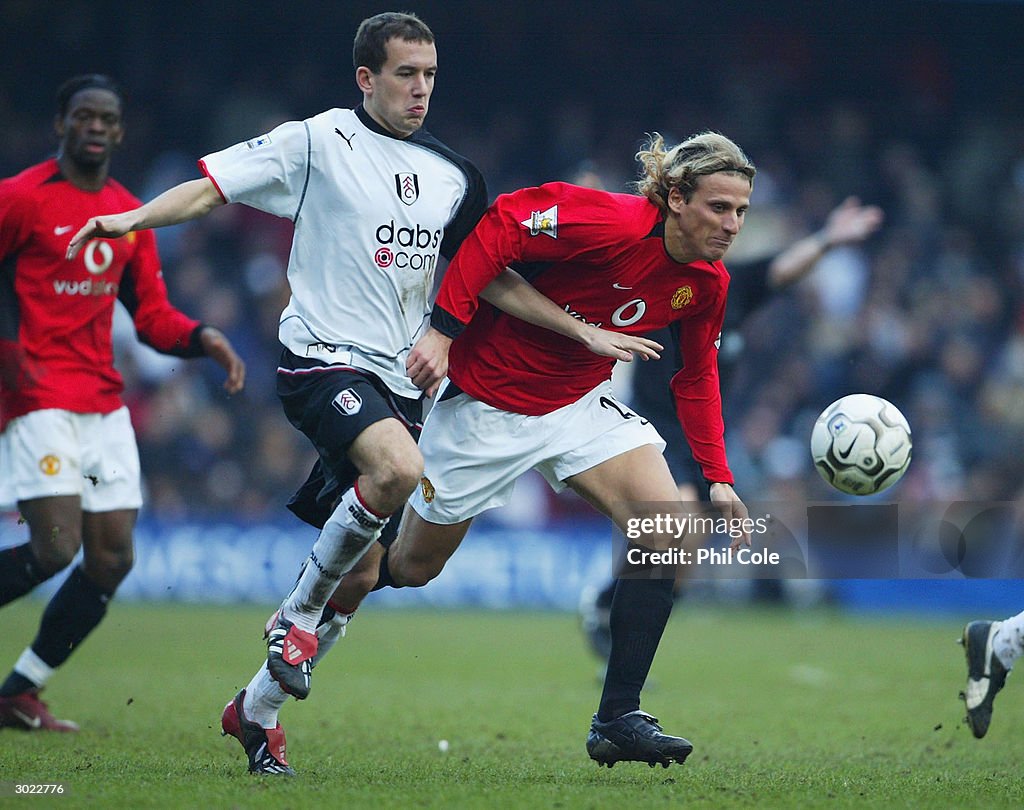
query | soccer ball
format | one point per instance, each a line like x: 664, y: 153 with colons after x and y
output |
x: 861, y: 444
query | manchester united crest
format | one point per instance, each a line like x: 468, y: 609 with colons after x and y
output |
x: 682, y: 297
x: 428, y: 489
x: 49, y: 464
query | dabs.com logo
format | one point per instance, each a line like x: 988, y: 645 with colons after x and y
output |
x: 406, y: 248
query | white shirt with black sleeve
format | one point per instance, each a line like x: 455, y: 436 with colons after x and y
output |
x: 373, y: 213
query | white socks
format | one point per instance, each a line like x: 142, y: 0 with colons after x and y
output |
x: 264, y: 697
x: 329, y: 633
x: 349, y: 531
x: 346, y: 535
x: 1008, y: 642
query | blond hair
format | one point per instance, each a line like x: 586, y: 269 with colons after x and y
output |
x: 682, y: 166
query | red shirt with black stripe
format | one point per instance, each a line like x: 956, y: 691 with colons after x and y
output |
x: 601, y: 256
x: 55, y: 315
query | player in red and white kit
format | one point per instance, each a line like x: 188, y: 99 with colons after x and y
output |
x: 68, y: 456
x: 519, y: 396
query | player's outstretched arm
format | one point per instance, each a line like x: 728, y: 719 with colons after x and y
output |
x: 511, y: 293
x: 189, y: 200
x: 217, y: 346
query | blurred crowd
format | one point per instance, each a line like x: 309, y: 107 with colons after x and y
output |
x: 928, y: 313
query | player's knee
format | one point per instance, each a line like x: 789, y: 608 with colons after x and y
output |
x: 415, y: 573
x: 109, y: 567
x: 398, y: 477
x: 120, y: 564
x: 55, y: 547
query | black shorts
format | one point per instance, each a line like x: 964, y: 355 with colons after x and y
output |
x: 677, y: 453
x: 652, y: 399
x: 332, y: 405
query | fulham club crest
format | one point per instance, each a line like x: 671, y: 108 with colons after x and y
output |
x: 407, y: 184
x: 348, y: 402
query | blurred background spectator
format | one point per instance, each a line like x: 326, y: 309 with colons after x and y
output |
x: 913, y: 106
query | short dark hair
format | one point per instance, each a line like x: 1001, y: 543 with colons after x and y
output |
x: 86, y: 81
x: 370, y: 46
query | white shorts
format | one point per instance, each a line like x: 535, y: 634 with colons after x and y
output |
x: 56, y: 452
x: 474, y: 453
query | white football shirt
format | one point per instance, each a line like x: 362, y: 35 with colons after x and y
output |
x: 373, y: 213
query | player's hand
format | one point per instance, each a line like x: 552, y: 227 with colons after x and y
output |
x: 428, y: 361
x: 109, y: 226
x: 728, y: 503
x: 851, y: 222
x: 217, y: 346
x: 621, y: 347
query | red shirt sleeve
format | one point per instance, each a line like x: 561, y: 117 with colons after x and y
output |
x: 16, y: 218
x: 697, y: 392
x: 144, y: 293
x: 550, y: 223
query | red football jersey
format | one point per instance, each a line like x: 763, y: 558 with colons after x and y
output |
x: 55, y: 315
x: 601, y: 256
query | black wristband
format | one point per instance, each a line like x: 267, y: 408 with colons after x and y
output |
x: 195, y: 343
x: 446, y: 323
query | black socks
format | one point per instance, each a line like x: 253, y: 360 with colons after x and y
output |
x: 77, y: 607
x: 639, y: 613
x: 19, y: 572
x: 384, y: 578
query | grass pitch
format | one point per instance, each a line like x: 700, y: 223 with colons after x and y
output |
x: 785, y: 709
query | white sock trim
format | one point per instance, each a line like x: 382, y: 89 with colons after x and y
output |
x: 34, y: 668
